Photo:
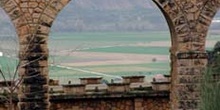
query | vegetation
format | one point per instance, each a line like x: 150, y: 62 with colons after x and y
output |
x: 211, y: 81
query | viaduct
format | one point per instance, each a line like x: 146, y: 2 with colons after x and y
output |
x: 188, y: 21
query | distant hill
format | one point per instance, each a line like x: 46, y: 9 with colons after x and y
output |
x: 110, y: 15
x: 112, y: 4
x: 104, y: 15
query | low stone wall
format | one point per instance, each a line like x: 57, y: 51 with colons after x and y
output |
x: 131, y: 101
x: 131, y: 94
x: 119, y: 101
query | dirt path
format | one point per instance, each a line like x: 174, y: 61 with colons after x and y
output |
x: 100, y: 58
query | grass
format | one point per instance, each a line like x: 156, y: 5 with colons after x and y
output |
x: 95, y: 41
x: 120, y: 70
x: 126, y: 68
x: 82, y: 40
x: 8, y: 66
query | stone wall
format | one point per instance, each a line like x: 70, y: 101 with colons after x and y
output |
x: 113, y: 103
x: 188, y: 20
x: 94, y: 95
x: 138, y: 101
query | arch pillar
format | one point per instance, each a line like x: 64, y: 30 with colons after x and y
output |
x: 188, y: 21
x: 33, y: 20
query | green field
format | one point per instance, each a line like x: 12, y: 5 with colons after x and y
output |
x: 8, y: 67
x: 106, y: 54
x: 97, y: 39
x: 106, y: 43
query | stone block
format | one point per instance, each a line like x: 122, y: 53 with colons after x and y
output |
x: 43, y: 71
x: 53, y: 82
x: 191, y: 87
x: 9, y: 6
x: 190, y: 70
x: 33, y: 39
x: 133, y: 79
x: 32, y: 47
x: 184, y: 63
x: 190, y: 79
x: 99, y: 88
x: 64, y: 2
x: 34, y: 105
x: 39, y: 97
x: 188, y: 104
x: 50, y: 12
x: 118, y: 87
x: 33, y: 56
x: 37, y: 79
x: 33, y: 64
x: 161, y: 86
x: 34, y: 88
x: 74, y: 89
x: 91, y: 80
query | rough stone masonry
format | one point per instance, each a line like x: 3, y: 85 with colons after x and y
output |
x: 33, y: 20
x: 188, y: 20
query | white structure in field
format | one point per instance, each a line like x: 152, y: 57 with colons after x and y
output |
x: 1, y: 54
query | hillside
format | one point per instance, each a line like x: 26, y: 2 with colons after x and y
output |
x: 104, y: 15
x: 110, y: 15
x: 112, y: 4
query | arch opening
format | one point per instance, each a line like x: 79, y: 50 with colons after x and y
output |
x: 9, y: 45
x: 103, y: 43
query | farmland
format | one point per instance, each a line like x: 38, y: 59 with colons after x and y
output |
x: 111, y: 53
x: 108, y: 54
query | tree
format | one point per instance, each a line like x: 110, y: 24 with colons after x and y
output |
x: 211, y: 81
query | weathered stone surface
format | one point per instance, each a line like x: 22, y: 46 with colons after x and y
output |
x: 189, y: 21
x: 33, y: 20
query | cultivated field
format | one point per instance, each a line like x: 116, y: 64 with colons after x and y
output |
x: 109, y: 55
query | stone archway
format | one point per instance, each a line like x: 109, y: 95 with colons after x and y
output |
x: 189, y: 21
x: 33, y: 20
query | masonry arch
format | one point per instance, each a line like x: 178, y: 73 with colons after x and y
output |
x: 190, y: 19
x: 32, y: 20
x: 72, y: 3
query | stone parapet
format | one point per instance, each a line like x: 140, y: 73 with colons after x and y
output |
x: 91, y: 80
x: 118, y: 87
x: 74, y: 89
x: 133, y: 79
x: 161, y: 86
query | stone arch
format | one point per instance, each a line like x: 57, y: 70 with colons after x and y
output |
x: 190, y: 20
x: 32, y: 20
